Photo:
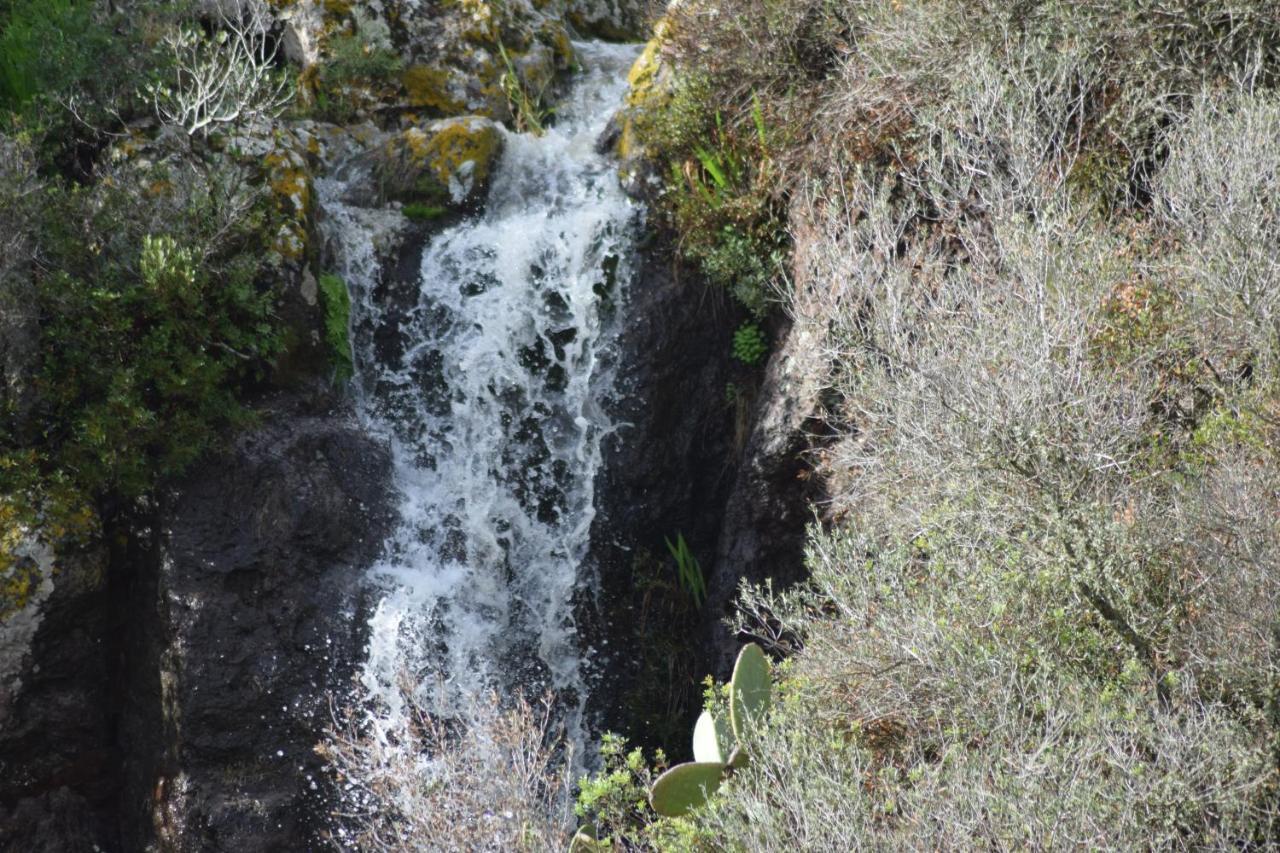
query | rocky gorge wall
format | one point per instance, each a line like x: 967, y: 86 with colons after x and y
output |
x: 165, y: 676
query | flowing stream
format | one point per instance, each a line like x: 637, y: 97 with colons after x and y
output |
x: 490, y: 384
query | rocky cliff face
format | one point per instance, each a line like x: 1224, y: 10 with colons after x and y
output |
x: 171, y: 692
x: 248, y: 618
x: 727, y: 471
x: 58, y: 757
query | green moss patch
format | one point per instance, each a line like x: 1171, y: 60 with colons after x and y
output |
x: 336, y: 302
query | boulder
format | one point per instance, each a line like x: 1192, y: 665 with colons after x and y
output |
x: 445, y: 163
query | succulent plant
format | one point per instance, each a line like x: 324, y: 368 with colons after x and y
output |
x: 717, y: 746
x: 749, y: 690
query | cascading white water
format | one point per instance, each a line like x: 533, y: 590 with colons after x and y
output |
x: 491, y: 394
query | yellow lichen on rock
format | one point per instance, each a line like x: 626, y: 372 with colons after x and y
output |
x: 431, y: 88
x: 33, y: 529
x: 649, y: 87
x: 556, y: 36
x: 290, y: 182
x: 448, y: 161
x: 463, y: 150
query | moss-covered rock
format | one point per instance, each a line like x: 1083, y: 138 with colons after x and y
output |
x: 438, y: 90
x: 650, y: 84
x: 446, y: 162
x: 38, y: 527
x: 611, y: 20
x: 290, y: 180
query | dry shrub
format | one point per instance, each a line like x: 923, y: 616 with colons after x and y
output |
x: 1045, y: 614
x: 495, y: 779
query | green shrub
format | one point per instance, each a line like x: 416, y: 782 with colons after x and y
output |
x: 355, y: 70
x: 723, y: 193
x: 146, y: 338
x: 47, y: 46
x: 70, y: 73
x: 353, y: 57
x: 615, y: 801
x: 1040, y: 262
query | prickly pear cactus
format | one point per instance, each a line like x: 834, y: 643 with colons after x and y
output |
x: 685, y: 787
x: 712, y: 739
x: 749, y: 691
x: 717, y: 747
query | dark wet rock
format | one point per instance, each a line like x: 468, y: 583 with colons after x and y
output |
x: 667, y: 471
x: 60, y: 821
x: 710, y: 450
x: 248, y: 621
x: 58, y: 776
x: 762, y: 532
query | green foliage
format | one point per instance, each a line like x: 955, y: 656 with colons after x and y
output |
x: 615, y: 801
x: 70, y: 71
x: 527, y: 106
x: 351, y: 77
x: 46, y: 46
x: 336, y: 301
x: 746, y: 264
x: 688, y: 570
x: 749, y: 345
x: 145, y: 337
x: 353, y: 58
x: 722, y: 187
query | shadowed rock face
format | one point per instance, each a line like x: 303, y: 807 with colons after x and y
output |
x: 175, y: 684
x: 730, y: 479
x: 57, y: 761
x: 250, y: 620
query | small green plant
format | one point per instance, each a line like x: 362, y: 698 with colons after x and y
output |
x: 337, y: 318
x: 745, y: 265
x: 357, y: 67
x: 527, y: 109
x: 688, y: 570
x: 353, y: 57
x: 749, y: 344
x: 717, y: 746
x: 614, y: 802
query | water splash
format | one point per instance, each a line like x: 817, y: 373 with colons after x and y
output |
x: 490, y: 386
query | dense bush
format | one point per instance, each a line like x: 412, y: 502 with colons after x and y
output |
x: 1039, y: 243
x: 139, y: 299
x: 151, y: 314
x: 71, y: 74
x: 494, y: 779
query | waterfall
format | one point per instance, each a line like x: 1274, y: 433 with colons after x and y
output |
x: 492, y: 394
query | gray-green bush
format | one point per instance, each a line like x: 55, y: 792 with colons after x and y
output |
x: 1038, y: 243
